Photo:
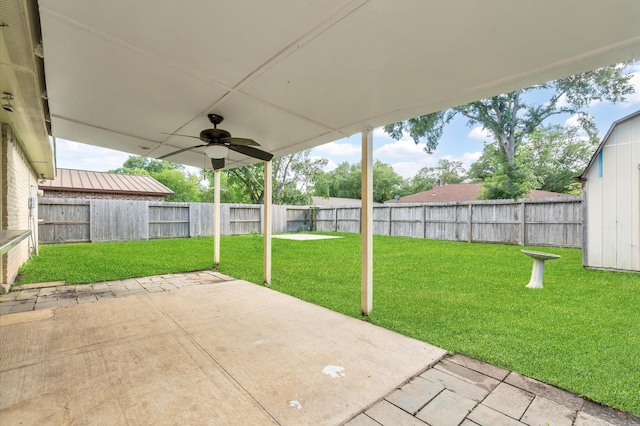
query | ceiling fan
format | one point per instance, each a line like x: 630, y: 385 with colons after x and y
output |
x: 218, y: 142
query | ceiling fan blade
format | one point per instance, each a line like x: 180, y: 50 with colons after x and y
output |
x: 251, y: 152
x: 240, y: 141
x: 217, y: 163
x: 179, y: 151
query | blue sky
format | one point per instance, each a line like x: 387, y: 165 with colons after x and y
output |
x: 458, y: 142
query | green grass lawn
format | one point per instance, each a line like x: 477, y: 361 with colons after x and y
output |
x: 581, y: 332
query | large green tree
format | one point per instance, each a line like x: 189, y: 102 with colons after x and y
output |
x: 549, y: 159
x: 514, y: 116
x: 138, y: 165
x: 293, y: 180
x: 186, y: 187
x: 558, y: 155
x: 345, y: 182
x: 447, y: 171
x: 423, y: 180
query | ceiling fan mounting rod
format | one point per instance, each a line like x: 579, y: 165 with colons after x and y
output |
x: 215, y: 119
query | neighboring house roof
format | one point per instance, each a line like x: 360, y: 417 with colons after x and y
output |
x: 459, y: 192
x: 604, y: 141
x: 335, y: 201
x: 87, y: 181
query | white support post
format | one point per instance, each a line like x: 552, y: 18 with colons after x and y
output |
x: 366, y: 223
x: 216, y: 218
x: 267, y: 219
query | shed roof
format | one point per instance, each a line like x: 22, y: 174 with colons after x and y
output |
x: 583, y: 176
x: 87, y: 181
x: 460, y: 192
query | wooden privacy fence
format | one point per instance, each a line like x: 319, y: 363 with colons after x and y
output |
x: 73, y: 220
x: 543, y: 222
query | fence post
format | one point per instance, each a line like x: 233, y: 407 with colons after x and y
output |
x: 523, y: 224
x: 91, y: 213
x: 389, y: 220
x: 190, y: 214
x: 335, y: 219
x: 470, y: 223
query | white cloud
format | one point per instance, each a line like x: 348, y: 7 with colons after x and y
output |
x: 480, y: 133
x: 71, y: 146
x: 573, y: 121
x: 562, y: 101
x: 379, y: 132
x: 467, y: 158
x: 337, y: 149
x: 79, y: 156
x: 404, y: 149
x: 330, y: 166
x: 408, y: 169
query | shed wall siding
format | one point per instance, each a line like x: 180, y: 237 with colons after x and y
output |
x: 609, y: 206
x: 635, y: 199
x: 624, y: 237
x: 613, y: 206
x: 594, y: 218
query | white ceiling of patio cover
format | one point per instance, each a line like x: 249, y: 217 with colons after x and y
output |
x: 296, y: 74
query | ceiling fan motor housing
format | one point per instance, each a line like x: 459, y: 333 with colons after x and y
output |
x: 214, y: 135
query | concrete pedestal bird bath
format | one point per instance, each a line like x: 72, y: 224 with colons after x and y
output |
x: 538, y: 266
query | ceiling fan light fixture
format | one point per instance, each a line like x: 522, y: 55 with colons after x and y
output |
x: 216, y: 151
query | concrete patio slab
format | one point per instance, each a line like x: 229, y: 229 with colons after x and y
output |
x: 226, y: 353
x: 223, y: 351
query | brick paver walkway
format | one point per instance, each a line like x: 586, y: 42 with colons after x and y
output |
x: 64, y: 295
x: 456, y: 391
x: 463, y: 391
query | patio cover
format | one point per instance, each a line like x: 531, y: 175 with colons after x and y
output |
x: 293, y: 75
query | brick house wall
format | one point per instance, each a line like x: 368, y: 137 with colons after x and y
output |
x: 18, y: 182
x: 100, y: 195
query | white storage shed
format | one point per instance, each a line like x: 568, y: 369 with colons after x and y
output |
x: 611, y: 188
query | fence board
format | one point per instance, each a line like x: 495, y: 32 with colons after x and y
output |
x: 200, y: 219
x: 63, y: 221
x: 348, y: 219
x: 169, y: 220
x: 119, y: 220
x: 407, y: 221
x: 326, y: 219
x: 297, y: 218
x: 382, y: 220
x: 244, y: 219
x: 278, y: 218
x: 446, y: 222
